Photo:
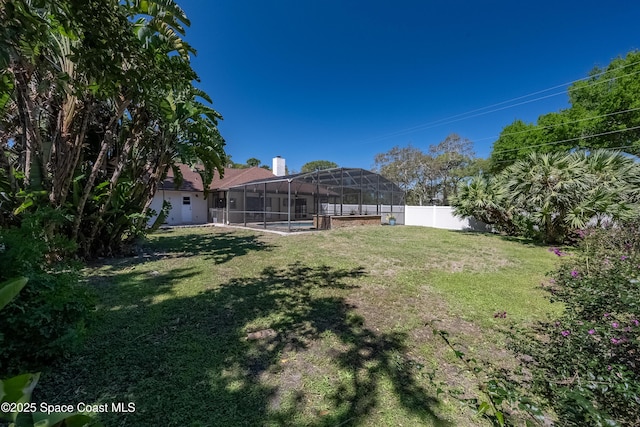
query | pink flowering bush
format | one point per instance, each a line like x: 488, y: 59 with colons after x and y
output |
x: 588, y: 364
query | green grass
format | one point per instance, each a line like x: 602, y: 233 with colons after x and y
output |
x: 349, y: 313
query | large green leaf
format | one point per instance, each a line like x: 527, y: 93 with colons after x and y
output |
x: 18, y: 389
x: 10, y: 288
x: 6, y: 87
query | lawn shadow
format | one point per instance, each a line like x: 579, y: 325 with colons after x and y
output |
x: 210, y: 359
x: 525, y: 241
x: 136, y: 286
x: 136, y: 283
x: 219, y: 247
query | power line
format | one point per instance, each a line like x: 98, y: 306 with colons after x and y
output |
x: 470, y: 114
x: 569, y: 140
x: 522, y: 103
x: 560, y: 124
x: 458, y: 118
x: 607, y: 148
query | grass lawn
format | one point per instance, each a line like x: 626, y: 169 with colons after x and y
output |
x: 222, y: 327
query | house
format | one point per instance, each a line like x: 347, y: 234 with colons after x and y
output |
x: 256, y: 197
x: 188, y: 204
x: 313, y: 200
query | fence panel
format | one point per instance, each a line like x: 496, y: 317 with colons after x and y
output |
x: 440, y: 217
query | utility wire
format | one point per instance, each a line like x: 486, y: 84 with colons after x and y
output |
x: 570, y: 139
x: 559, y: 124
x: 518, y: 104
x: 470, y: 114
x: 607, y: 148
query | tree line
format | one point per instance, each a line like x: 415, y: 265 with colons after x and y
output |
x: 311, y: 166
x: 573, y: 168
x: 97, y: 102
x: 430, y: 177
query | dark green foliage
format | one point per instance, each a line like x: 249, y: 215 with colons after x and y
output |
x: 587, y: 367
x: 10, y: 288
x: 16, y: 391
x: 47, y: 318
x: 44, y: 322
x: 253, y: 162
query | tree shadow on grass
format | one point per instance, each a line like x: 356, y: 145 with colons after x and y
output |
x: 188, y: 361
x: 219, y: 247
x: 515, y: 239
x: 137, y: 287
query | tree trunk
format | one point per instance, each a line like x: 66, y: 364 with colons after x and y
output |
x: 32, y: 140
x: 66, y: 155
x: 104, y: 148
x: 6, y: 165
x: 77, y: 146
x: 106, y: 143
x: 122, y: 159
x: 152, y: 184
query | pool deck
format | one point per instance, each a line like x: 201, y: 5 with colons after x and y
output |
x: 295, y: 225
x: 267, y: 230
x: 239, y: 227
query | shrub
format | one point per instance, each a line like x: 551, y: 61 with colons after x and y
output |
x: 587, y: 365
x: 47, y: 319
x: 44, y: 322
x: 548, y: 196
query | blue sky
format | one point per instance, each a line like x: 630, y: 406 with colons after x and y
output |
x: 343, y: 80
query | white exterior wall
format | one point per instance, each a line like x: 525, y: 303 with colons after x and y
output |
x: 440, y: 217
x: 175, y: 217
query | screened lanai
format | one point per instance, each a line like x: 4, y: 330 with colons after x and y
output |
x: 316, y: 200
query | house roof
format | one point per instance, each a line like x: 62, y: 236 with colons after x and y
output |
x: 193, y: 182
x: 233, y: 177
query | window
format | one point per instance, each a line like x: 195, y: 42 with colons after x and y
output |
x: 186, y: 200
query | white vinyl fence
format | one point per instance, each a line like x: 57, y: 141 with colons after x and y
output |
x: 440, y: 217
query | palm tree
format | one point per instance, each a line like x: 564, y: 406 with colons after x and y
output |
x: 611, y: 192
x: 548, y: 195
x: 559, y: 192
x: 485, y: 199
x: 545, y: 187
